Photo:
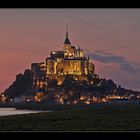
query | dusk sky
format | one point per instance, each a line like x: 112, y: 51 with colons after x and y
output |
x: 111, y: 37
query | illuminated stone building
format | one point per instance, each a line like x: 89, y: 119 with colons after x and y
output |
x: 71, y: 60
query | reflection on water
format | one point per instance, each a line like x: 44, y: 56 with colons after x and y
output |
x: 13, y: 111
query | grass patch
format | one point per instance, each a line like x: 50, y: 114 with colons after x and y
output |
x: 75, y: 118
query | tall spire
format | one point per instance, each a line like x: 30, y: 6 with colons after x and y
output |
x: 67, y: 41
x: 67, y: 29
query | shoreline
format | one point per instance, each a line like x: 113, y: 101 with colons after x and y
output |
x: 10, y: 111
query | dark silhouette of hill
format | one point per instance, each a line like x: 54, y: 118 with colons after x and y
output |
x: 22, y: 84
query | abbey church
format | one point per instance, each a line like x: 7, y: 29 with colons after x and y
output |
x: 70, y: 61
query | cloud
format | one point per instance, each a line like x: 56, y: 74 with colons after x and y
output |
x: 116, y: 48
x: 128, y: 67
x: 87, y: 23
x: 124, y: 64
x: 106, y: 58
x: 107, y: 67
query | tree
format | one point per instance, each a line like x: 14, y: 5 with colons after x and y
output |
x: 52, y: 82
x: 22, y: 84
x: 68, y: 82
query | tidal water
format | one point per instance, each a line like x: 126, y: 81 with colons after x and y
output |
x: 14, y: 111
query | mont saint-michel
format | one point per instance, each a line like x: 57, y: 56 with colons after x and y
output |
x: 66, y: 77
